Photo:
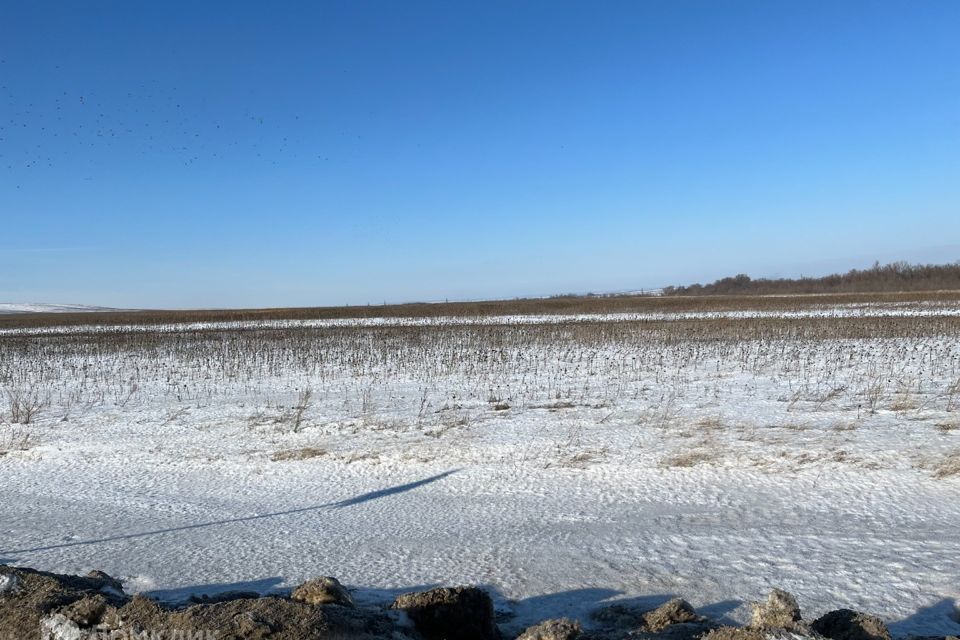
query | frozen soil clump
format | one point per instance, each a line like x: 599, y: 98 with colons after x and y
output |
x: 36, y: 605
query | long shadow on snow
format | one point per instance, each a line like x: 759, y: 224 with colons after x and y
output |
x: 365, y: 497
x: 515, y: 615
x: 263, y: 587
x: 512, y: 615
x: 942, y: 618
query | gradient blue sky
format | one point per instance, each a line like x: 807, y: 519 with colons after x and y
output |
x: 203, y: 154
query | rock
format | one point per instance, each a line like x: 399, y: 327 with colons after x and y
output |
x: 321, y: 591
x: 464, y: 613
x: 675, y: 611
x: 779, y: 611
x: 798, y: 632
x: 845, y: 624
x: 108, y: 582
x: 560, y: 629
x: 734, y: 633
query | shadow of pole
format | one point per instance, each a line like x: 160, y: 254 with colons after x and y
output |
x: 341, y: 504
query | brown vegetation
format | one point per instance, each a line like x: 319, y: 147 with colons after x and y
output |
x: 677, y: 302
x: 897, y: 276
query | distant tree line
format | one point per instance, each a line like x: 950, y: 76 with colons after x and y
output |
x: 896, y: 276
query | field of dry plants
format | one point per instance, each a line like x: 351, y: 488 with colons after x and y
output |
x: 711, y: 449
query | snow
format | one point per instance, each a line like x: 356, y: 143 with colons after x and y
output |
x: 13, y: 307
x: 59, y: 627
x: 562, y: 466
x: 8, y: 583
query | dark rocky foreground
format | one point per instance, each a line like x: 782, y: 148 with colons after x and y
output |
x: 35, y: 605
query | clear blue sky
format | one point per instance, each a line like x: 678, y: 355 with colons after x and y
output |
x: 204, y: 154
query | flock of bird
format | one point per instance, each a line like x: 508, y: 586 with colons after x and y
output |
x: 151, y: 125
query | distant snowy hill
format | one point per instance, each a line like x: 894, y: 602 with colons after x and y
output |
x: 14, y: 307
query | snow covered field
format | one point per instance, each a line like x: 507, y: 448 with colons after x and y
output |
x: 888, y: 310
x: 14, y: 307
x: 564, y: 462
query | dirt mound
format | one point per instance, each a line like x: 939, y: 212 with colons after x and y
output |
x: 779, y: 611
x: 35, y: 605
x: 560, y: 629
x: 674, y: 619
x: 254, y: 619
x: 28, y: 595
x: 845, y: 624
x: 465, y: 613
x: 323, y: 590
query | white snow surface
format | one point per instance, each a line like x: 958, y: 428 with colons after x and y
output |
x: 562, y: 467
x: 8, y: 583
x: 38, y: 307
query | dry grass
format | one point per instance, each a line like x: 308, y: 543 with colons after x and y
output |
x: 687, y: 459
x: 947, y: 427
x: 555, y: 305
x: 304, y: 453
x: 949, y: 466
x: 845, y: 426
x: 583, y: 459
x: 709, y: 424
x: 651, y: 375
x: 903, y: 403
x: 25, y: 403
x: 952, y: 394
x: 15, y: 439
x: 446, y: 426
x: 372, y: 457
x: 298, y: 410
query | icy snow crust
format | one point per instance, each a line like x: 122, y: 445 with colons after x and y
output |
x: 563, y: 462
